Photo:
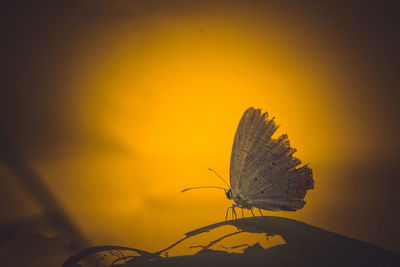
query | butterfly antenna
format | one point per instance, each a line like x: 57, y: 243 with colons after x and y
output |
x: 184, y: 190
x: 219, y: 176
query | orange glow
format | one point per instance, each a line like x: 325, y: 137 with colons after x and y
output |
x: 167, y: 102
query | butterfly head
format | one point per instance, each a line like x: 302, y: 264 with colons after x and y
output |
x: 228, y: 194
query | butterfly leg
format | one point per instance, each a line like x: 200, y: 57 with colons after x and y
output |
x: 234, y: 211
x: 254, y: 216
x: 261, y: 212
x: 227, y: 212
x: 234, y: 214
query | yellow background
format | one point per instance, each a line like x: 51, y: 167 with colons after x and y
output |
x: 151, y: 100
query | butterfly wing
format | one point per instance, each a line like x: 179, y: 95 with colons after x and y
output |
x: 263, y: 172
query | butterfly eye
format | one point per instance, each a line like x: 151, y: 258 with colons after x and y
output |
x: 273, y: 163
x: 262, y: 192
x: 255, y: 178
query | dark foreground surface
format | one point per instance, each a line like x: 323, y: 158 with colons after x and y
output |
x: 306, y: 245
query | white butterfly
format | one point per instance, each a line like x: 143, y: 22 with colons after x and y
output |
x: 263, y: 172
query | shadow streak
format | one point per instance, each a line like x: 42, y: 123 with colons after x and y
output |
x: 27, y: 176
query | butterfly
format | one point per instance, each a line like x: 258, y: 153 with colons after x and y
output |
x: 263, y: 172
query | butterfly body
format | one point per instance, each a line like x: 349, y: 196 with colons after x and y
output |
x: 263, y: 171
x: 238, y: 200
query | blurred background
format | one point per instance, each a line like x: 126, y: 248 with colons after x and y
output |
x: 109, y: 109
